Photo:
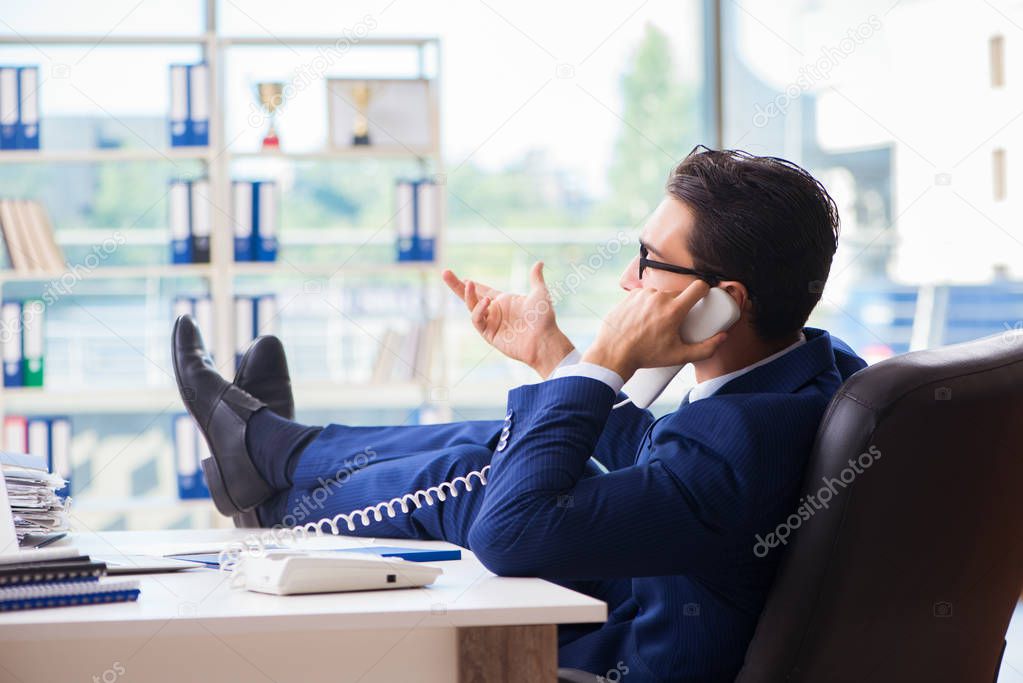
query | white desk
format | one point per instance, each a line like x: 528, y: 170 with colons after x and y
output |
x: 469, y: 626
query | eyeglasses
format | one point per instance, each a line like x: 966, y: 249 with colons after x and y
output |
x: 711, y: 279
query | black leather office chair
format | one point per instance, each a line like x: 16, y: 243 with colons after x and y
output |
x: 913, y: 571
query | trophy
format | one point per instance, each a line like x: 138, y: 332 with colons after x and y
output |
x: 271, y: 98
x: 360, y: 127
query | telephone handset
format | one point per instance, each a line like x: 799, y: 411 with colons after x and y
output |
x: 715, y: 312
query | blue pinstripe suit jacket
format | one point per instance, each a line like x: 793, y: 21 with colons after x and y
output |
x: 667, y: 537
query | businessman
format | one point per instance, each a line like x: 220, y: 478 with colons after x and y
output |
x: 666, y: 536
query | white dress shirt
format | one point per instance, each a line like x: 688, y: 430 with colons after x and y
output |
x: 572, y: 366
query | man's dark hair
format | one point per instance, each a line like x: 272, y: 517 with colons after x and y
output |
x: 765, y: 222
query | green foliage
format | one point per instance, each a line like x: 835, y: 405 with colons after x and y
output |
x: 326, y: 194
x: 661, y: 124
x: 527, y: 193
x: 124, y: 196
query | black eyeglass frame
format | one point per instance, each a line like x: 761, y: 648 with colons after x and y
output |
x: 712, y: 279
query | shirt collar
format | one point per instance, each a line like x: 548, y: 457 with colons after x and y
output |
x: 708, y: 386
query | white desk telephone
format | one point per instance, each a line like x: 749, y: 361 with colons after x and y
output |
x: 715, y: 312
x: 292, y: 572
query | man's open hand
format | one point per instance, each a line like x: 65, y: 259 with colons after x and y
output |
x: 642, y: 331
x: 521, y: 327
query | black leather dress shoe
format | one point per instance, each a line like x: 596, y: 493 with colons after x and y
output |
x: 221, y: 410
x: 263, y: 372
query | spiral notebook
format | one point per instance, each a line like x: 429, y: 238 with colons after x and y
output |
x: 67, y: 594
x: 53, y: 571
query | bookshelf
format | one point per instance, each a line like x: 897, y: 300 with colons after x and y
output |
x: 222, y: 277
x: 102, y: 155
x: 115, y: 272
x: 202, y: 154
x: 318, y: 395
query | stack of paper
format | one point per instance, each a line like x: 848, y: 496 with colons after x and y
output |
x: 32, y: 491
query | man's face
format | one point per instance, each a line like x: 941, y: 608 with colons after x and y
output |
x: 665, y: 235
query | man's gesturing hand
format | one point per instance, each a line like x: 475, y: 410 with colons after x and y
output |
x: 643, y: 332
x: 521, y: 327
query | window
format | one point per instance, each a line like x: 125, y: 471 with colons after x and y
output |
x: 559, y: 126
x: 914, y: 140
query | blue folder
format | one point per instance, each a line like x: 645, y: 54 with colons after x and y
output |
x: 410, y: 554
x: 212, y: 561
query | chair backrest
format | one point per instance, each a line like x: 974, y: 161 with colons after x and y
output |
x: 911, y: 570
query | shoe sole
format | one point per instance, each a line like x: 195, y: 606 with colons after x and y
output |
x: 247, y: 520
x: 218, y: 492
x: 210, y: 468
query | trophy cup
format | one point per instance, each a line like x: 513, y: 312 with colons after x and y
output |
x: 360, y: 127
x: 271, y: 98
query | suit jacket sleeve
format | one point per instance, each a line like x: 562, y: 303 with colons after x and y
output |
x: 540, y: 518
x: 622, y: 433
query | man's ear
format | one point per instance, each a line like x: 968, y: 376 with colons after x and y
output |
x: 738, y: 292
